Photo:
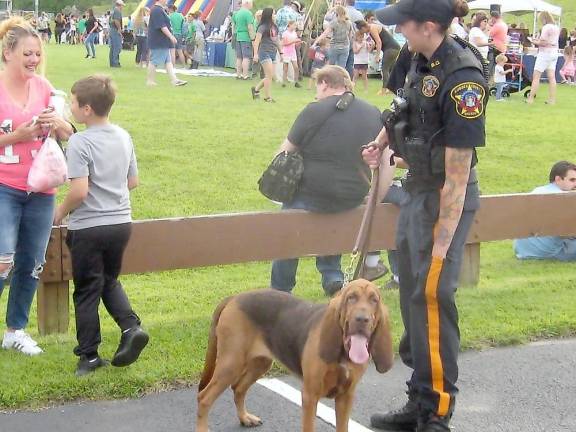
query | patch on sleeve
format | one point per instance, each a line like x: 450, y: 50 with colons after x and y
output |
x: 429, y: 85
x: 469, y: 99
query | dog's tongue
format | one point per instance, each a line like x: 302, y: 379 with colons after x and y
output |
x: 358, y: 349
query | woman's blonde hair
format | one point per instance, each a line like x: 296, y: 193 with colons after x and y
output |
x: 341, y: 12
x: 13, y: 30
x: 139, y: 19
x: 546, y: 17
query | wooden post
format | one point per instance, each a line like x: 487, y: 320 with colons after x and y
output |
x: 470, y: 270
x: 52, y: 298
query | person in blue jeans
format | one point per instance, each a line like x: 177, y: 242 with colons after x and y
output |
x: 328, y: 134
x: 116, y: 34
x: 562, y: 179
x: 92, y: 27
x: 25, y: 217
x: 341, y: 30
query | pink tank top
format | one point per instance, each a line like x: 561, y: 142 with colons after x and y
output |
x: 16, y: 159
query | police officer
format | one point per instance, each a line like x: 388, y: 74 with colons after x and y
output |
x: 437, y: 124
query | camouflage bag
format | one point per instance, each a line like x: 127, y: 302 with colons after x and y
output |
x: 281, y: 179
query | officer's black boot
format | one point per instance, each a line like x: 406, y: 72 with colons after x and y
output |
x: 404, y: 419
x: 435, y: 424
x: 429, y: 422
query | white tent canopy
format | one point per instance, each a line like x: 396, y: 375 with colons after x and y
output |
x: 517, y: 7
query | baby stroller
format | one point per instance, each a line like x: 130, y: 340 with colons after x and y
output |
x: 518, y: 81
x: 127, y: 40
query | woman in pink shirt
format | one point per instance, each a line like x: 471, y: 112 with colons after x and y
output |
x: 547, y: 57
x: 25, y: 218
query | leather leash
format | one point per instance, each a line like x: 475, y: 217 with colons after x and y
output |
x: 361, y: 245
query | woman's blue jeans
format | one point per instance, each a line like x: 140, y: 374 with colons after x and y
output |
x: 338, y: 56
x: 89, y: 42
x: 25, y: 226
x: 283, y: 276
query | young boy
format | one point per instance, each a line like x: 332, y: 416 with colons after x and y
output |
x: 102, y: 169
x: 500, y: 76
x: 319, y: 61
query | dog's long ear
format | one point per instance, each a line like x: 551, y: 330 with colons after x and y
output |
x: 331, y: 333
x: 381, y: 343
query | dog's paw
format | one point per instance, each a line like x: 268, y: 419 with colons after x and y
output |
x: 250, y: 420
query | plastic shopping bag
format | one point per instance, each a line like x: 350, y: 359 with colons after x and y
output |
x: 48, y: 169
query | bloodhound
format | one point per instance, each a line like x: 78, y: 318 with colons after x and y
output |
x: 328, y: 346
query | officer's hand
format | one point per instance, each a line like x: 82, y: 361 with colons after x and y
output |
x: 371, y: 153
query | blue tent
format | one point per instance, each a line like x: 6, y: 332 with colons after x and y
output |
x: 370, y: 4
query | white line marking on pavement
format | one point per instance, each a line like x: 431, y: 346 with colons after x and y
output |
x: 323, y: 412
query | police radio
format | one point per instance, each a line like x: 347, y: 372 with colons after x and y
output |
x: 396, y: 122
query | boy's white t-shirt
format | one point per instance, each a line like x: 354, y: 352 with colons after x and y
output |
x: 499, y: 74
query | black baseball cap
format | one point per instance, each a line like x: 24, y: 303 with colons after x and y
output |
x: 440, y: 11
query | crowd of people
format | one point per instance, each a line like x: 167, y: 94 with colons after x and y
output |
x: 443, y: 98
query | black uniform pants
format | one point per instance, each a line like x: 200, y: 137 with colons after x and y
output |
x: 431, y: 339
x: 96, y: 262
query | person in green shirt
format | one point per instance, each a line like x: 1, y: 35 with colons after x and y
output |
x: 177, y: 22
x: 190, y: 45
x: 81, y: 28
x: 243, y: 28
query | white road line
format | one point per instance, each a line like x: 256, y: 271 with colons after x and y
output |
x: 323, y: 412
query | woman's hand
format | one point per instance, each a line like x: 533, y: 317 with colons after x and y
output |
x: 255, y: 59
x: 372, y: 154
x: 29, y: 131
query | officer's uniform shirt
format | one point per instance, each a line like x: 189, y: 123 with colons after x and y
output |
x: 447, y: 96
x: 462, y: 100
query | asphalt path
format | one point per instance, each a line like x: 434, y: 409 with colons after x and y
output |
x: 529, y: 388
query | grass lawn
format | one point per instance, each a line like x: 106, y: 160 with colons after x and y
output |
x: 201, y: 149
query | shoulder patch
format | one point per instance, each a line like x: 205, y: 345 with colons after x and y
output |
x: 429, y: 85
x: 469, y: 99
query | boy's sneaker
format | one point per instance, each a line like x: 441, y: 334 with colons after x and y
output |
x: 21, y: 341
x: 132, y: 342
x: 86, y: 366
x: 179, y: 83
x: 297, y: 85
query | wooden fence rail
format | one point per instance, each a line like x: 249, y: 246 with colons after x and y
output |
x: 167, y: 244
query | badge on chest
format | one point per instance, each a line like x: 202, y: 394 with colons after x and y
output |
x: 430, y: 85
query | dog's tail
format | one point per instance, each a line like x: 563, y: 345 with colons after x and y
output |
x: 210, y: 362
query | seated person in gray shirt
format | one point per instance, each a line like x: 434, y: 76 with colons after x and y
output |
x: 102, y: 169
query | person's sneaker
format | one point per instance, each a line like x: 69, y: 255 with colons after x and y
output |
x: 435, y: 424
x: 21, y: 341
x: 376, y: 272
x: 255, y: 93
x: 86, y: 366
x: 132, y: 342
x: 179, y: 83
x: 331, y: 288
x: 297, y: 85
x: 402, y: 419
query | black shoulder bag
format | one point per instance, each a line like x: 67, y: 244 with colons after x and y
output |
x: 281, y: 179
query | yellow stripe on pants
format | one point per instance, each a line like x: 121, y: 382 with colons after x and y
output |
x: 434, y: 334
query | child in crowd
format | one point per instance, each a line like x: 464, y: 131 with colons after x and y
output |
x: 320, y: 59
x: 500, y: 76
x: 290, y: 40
x: 568, y: 70
x: 362, y: 48
x: 102, y: 170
